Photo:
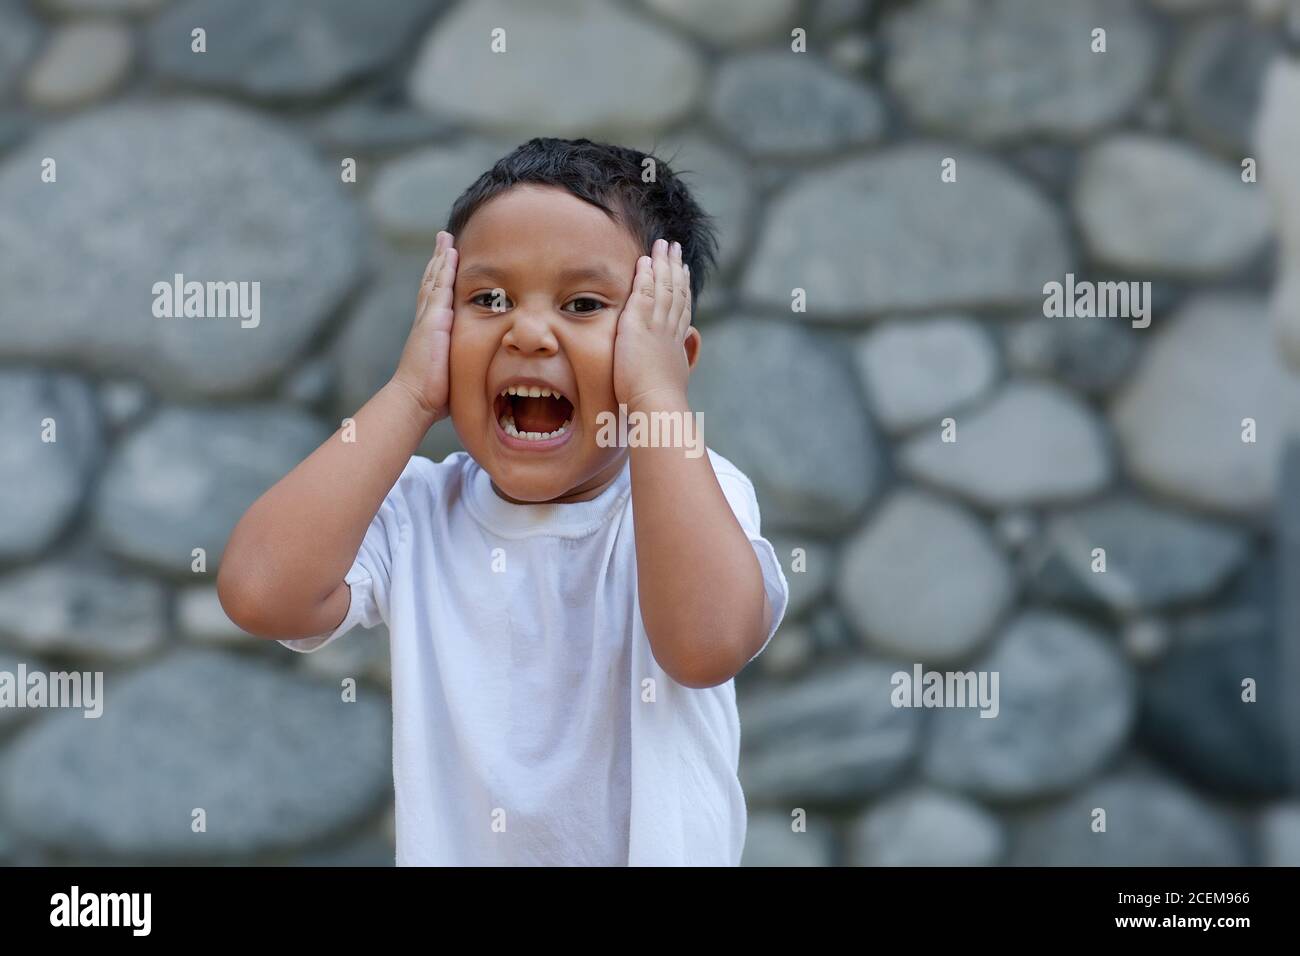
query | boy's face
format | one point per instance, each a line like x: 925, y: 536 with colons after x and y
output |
x: 559, y: 271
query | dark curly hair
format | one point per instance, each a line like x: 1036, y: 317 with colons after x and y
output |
x: 610, y: 178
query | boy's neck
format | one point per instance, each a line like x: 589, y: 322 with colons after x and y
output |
x: 584, y: 492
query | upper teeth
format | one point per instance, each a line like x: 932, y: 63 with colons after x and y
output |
x: 530, y: 391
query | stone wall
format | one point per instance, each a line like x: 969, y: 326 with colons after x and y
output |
x: 1119, y: 690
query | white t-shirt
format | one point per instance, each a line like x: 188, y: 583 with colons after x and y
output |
x: 531, y: 723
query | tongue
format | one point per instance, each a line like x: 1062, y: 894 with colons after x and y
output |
x: 540, y: 414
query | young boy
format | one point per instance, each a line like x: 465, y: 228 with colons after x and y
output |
x: 565, y: 615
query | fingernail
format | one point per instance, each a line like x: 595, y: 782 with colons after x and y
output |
x: 661, y: 245
x: 677, y: 249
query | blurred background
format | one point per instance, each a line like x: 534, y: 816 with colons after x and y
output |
x: 1119, y: 690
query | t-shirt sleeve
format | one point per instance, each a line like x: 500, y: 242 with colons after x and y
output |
x: 744, y: 504
x: 369, y: 577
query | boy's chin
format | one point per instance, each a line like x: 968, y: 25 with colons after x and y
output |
x: 521, y: 490
x: 542, y: 481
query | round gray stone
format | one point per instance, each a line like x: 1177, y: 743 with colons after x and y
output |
x: 83, y: 61
x: 123, y: 401
x: 831, y: 633
x: 758, y: 385
x: 1279, y: 834
x: 1145, y: 639
x: 290, y: 49
x: 376, y: 124
x: 1032, y: 443
x: 533, y: 86
x: 413, y: 194
x: 274, y: 760
x: 925, y: 827
x: 1217, y: 78
x: 839, y: 15
x: 923, y: 581
x: 722, y: 182
x: 10, y: 664
x: 781, y: 103
x: 128, y: 7
x: 367, y: 350
x: 1179, y: 418
x: 1279, y: 139
x: 200, y: 617
x: 1016, y: 528
x: 1093, y: 356
x: 914, y: 372
x: 185, y: 477
x: 89, y: 611
x: 1155, y: 556
x: 1149, y: 822
x: 19, y: 37
x: 791, y: 650
x: 808, y: 572
x: 1193, y: 6
x: 1016, y: 68
x: 770, y: 840
x: 1066, y: 703
x: 727, y: 22
x: 852, y: 51
x: 370, y: 849
x: 833, y: 737
x: 882, y: 234
x: 44, y: 481
x: 1285, y: 310
x: 1193, y: 714
x: 1158, y: 208
x: 147, y: 192
x: 312, y: 384
x: 15, y: 125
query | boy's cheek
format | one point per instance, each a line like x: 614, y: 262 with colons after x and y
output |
x: 461, y: 335
x: 463, y: 366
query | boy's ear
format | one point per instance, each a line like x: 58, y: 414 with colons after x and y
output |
x: 692, y: 346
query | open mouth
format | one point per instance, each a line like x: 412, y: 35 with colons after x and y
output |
x: 533, y: 412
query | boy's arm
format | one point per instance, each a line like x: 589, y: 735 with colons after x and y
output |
x: 703, y: 603
x: 282, y: 572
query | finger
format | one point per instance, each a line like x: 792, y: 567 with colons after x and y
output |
x: 681, y: 292
x: 684, y: 323
x: 430, y: 271
x: 640, y: 305
x: 444, y: 283
x: 663, y: 283
x: 439, y: 282
x: 435, y: 260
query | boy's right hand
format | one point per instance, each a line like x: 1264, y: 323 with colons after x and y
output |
x: 424, y: 369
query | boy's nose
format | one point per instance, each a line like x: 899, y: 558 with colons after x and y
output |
x: 530, y: 333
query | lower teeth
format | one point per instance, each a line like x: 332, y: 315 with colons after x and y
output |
x: 508, y: 426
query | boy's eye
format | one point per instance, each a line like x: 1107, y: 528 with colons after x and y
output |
x: 585, y: 305
x: 497, y: 301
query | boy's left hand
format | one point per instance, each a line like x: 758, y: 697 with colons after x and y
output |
x: 649, y: 349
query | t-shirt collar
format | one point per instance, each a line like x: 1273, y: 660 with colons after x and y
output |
x: 570, y: 519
